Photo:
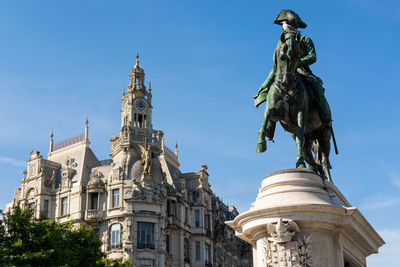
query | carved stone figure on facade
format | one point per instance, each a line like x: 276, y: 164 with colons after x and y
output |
x: 70, y: 163
x: 49, y: 180
x: 294, y: 96
x: 204, y: 176
x: 118, y: 174
x: 147, y: 157
x: 24, y: 173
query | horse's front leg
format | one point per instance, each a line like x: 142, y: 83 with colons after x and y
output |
x: 301, y: 123
x: 261, y: 143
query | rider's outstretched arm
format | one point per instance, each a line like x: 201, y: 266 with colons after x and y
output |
x: 268, y: 82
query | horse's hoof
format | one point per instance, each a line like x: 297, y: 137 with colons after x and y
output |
x: 301, y: 165
x: 261, y: 146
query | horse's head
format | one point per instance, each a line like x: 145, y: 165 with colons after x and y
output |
x: 288, y: 60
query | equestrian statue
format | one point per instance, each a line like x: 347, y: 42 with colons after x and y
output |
x: 295, y: 97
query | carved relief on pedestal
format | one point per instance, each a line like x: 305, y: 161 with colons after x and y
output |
x: 281, y: 249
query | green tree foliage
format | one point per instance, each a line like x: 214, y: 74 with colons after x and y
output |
x: 29, y: 241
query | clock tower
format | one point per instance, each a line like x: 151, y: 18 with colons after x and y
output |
x: 136, y: 112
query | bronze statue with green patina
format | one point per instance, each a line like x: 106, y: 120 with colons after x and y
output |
x: 294, y: 96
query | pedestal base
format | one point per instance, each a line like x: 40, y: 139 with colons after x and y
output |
x: 300, y: 220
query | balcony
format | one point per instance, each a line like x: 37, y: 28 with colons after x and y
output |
x: 94, y: 215
x: 173, y: 221
x: 143, y: 245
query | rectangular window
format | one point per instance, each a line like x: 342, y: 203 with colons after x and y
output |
x: 145, y: 235
x: 207, y: 254
x: 115, y: 235
x: 175, y: 209
x: 45, y: 206
x: 207, y: 222
x: 197, y: 250
x: 197, y: 218
x: 94, y: 200
x: 64, y: 206
x: 167, y: 241
x: 115, y: 202
x: 186, y: 253
x: 169, y: 210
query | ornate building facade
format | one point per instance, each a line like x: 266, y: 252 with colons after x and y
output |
x: 138, y: 201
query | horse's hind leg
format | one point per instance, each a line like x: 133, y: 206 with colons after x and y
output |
x: 308, y: 156
x: 325, y: 149
x: 301, y: 123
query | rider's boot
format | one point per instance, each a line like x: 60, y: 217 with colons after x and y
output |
x: 323, y: 106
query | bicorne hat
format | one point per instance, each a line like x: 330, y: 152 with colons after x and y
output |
x: 291, y: 18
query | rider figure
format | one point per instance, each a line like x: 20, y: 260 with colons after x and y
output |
x: 290, y: 22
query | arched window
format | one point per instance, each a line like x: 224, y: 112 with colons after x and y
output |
x: 115, y: 235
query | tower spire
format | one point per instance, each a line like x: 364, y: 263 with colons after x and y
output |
x: 137, y: 57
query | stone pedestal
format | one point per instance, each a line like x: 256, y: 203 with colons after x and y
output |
x: 300, y: 220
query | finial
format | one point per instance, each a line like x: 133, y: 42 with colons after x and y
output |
x: 51, y: 142
x: 137, y: 57
x: 176, y: 150
x: 149, y: 86
x: 87, y: 129
x: 123, y: 91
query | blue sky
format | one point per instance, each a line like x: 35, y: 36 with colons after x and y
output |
x: 61, y: 60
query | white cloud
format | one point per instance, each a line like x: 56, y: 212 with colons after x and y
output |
x: 15, y: 162
x: 379, y: 201
x: 388, y: 254
x: 395, y: 179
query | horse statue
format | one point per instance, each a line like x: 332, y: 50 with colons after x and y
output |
x: 290, y: 102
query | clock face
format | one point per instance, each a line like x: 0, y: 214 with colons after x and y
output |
x: 140, y: 104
